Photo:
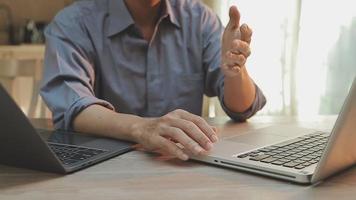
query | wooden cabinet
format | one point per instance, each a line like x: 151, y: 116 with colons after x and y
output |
x: 23, y: 61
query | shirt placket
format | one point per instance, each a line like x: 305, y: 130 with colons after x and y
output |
x: 153, y: 80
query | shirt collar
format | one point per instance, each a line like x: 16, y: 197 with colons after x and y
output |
x: 169, y: 10
x: 120, y: 17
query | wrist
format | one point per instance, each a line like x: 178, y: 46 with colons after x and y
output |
x: 241, y: 74
x: 137, y: 128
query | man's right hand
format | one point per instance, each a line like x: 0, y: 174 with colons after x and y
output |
x: 190, y: 130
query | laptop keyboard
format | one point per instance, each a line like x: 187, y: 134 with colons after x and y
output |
x: 69, y: 154
x: 297, y: 153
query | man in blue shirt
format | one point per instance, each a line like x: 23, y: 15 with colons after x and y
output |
x: 137, y: 70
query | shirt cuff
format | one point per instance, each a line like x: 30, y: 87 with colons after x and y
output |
x: 258, y: 104
x: 78, y: 106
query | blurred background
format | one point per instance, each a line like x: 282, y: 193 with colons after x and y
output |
x: 303, y: 52
x: 22, y: 49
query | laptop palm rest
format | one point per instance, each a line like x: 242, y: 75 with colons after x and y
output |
x: 269, y: 135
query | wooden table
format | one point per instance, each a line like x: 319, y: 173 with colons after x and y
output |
x: 141, y: 175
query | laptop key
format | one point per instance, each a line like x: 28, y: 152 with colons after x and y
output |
x: 243, y: 155
x: 260, y: 157
x: 290, y: 157
x: 283, y: 160
x: 277, y: 162
x: 291, y: 164
x: 306, y: 164
x: 278, y: 156
x: 313, y: 161
x: 299, y: 161
x: 276, y: 151
x: 305, y: 158
x: 269, y: 159
x: 266, y: 149
x: 78, y: 157
x: 69, y: 161
x: 299, y: 167
x: 270, y: 153
x: 289, y: 142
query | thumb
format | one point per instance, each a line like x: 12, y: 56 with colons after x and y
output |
x: 234, y: 15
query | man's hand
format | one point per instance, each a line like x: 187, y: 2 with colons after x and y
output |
x: 235, y: 45
x: 191, y: 131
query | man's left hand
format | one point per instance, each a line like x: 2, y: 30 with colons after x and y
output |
x: 235, y: 45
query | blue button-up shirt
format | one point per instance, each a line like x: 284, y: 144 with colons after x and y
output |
x: 96, y: 55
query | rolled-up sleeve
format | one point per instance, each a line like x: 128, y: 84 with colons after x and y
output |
x: 212, y: 30
x: 68, y: 80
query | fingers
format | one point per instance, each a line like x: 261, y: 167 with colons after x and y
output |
x: 237, y: 56
x: 233, y: 59
x: 170, y: 147
x: 234, y: 15
x: 214, y: 129
x: 189, y: 130
x: 239, y: 46
x: 194, y: 132
x: 200, y: 123
x: 179, y: 136
x: 246, y: 33
x: 233, y: 69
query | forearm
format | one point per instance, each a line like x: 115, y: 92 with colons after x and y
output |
x: 101, y: 121
x: 189, y: 130
x: 239, y: 91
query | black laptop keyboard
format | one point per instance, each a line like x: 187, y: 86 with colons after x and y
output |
x: 297, y: 153
x: 69, y: 154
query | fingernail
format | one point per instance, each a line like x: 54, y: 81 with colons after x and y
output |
x: 198, y: 149
x: 183, y: 156
x: 209, y: 145
x: 214, y: 138
x: 244, y: 26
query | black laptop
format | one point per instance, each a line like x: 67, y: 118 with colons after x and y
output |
x: 21, y: 145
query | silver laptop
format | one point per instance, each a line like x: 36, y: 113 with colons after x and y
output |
x: 308, y: 158
x: 21, y: 145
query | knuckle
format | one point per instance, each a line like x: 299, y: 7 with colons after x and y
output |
x: 191, y: 126
x: 241, y: 59
x: 191, y: 144
x: 175, y: 132
x: 179, y: 111
x: 236, y: 43
x: 200, y: 121
x: 166, y: 118
x: 244, y: 46
x: 202, y: 139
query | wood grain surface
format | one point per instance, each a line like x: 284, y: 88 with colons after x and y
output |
x: 143, y: 175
